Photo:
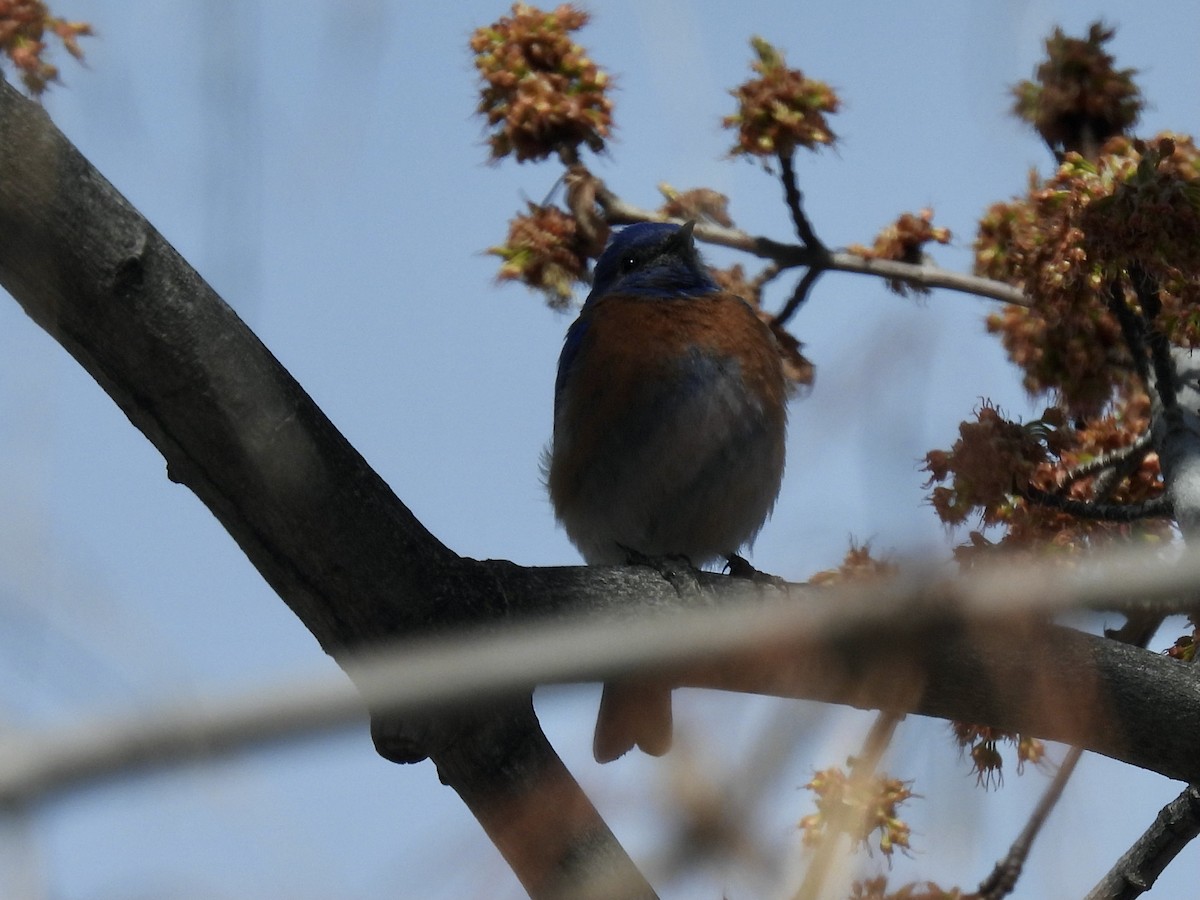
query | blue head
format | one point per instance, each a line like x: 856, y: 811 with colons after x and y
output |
x: 652, y: 259
x: 648, y: 259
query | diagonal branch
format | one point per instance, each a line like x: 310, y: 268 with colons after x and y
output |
x: 1003, y: 878
x: 1120, y: 460
x: 1177, y: 824
x: 1155, y: 507
x: 799, y: 295
x: 324, y: 530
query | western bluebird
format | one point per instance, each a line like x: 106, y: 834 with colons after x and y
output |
x: 669, y: 423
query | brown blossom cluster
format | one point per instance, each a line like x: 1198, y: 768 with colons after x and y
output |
x: 1066, y: 341
x: 904, y: 241
x: 541, y: 93
x: 23, y: 27
x: 544, y: 251
x: 1079, y: 100
x: 1115, y: 206
x: 1068, y: 240
x: 798, y: 369
x: 877, y: 889
x: 866, y: 805
x: 781, y: 109
x: 991, y: 457
x: 989, y: 469
x: 857, y: 566
x: 1150, y: 218
x: 982, y: 744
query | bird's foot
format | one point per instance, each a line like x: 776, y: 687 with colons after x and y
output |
x: 740, y: 567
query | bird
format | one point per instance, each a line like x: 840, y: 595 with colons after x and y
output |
x: 668, y: 439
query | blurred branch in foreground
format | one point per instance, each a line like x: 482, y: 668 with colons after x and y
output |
x: 806, y: 636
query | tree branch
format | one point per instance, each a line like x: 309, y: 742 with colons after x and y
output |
x: 923, y: 275
x: 799, y: 295
x: 1155, y: 507
x: 1171, y: 377
x: 322, y: 528
x: 1176, y: 431
x: 795, y: 205
x: 1146, y: 288
x: 1003, y: 877
x: 971, y: 648
x: 1133, y: 331
x: 1120, y: 459
x: 1136, y: 871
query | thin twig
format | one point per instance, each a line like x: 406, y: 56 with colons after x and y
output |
x: 799, y: 295
x: 1101, y: 512
x: 1116, y: 459
x: 795, y: 205
x: 1110, y: 479
x: 928, y: 276
x: 1003, y: 877
x: 619, y: 212
x: 878, y: 739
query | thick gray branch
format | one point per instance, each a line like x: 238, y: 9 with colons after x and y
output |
x: 324, y: 530
x: 975, y: 648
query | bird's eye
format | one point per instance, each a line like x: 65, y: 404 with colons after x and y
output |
x: 628, y: 263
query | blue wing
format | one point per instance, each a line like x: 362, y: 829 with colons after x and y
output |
x: 570, y: 350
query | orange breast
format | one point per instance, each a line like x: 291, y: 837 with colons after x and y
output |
x: 634, y: 353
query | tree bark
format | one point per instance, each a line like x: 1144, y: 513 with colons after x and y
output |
x: 318, y: 523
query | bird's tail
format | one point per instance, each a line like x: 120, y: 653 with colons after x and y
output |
x: 633, y: 713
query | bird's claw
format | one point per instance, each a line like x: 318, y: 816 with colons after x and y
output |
x: 740, y: 567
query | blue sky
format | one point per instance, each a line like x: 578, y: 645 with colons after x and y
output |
x: 318, y: 163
